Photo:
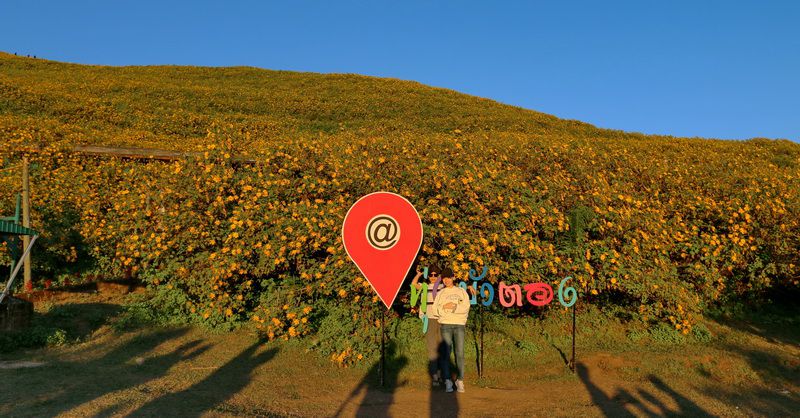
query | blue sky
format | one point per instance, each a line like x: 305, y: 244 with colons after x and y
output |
x: 720, y: 69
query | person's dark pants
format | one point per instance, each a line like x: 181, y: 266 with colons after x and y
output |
x: 453, y: 338
x: 433, y: 341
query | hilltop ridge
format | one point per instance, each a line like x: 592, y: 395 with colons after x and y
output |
x: 173, y: 106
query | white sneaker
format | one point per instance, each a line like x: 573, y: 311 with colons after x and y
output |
x: 448, y: 385
x: 460, y: 386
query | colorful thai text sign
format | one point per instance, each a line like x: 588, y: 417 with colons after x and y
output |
x: 537, y: 294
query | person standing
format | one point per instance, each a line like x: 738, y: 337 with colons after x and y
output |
x: 452, y: 309
x: 433, y: 336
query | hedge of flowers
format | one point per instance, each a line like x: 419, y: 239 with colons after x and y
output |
x: 668, y: 228
x: 661, y: 229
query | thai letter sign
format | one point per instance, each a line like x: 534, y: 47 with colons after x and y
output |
x: 509, y: 295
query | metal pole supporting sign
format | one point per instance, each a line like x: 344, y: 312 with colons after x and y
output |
x: 572, y: 362
x: 383, y: 348
x: 382, y: 234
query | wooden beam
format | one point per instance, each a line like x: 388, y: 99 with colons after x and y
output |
x: 138, y: 153
x: 133, y: 153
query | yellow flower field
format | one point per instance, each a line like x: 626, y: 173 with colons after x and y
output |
x: 672, y: 226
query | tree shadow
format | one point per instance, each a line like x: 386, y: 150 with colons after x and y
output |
x: 377, y: 400
x: 215, y: 389
x: 685, y: 405
x: 622, y: 403
x: 778, y: 369
x: 774, y: 328
x: 780, y: 374
x: 758, y: 402
x: 82, y: 384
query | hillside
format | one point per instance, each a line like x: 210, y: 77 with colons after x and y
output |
x: 175, y: 105
x: 654, y: 229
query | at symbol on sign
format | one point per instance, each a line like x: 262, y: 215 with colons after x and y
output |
x: 383, y: 232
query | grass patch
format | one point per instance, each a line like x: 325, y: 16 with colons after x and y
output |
x: 154, y: 368
x: 701, y: 334
x: 665, y: 334
x: 34, y: 337
x: 59, y: 324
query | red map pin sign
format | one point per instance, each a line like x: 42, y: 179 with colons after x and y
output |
x: 382, y: 234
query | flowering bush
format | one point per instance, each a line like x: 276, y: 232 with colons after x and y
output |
x: 671, y: 225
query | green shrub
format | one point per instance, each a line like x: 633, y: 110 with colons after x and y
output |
x: 33, y: 337
x: 637, y: 335
x: 701, y: 334
x: 160, y: 306
x: 527, y: 347
x: 347, y: 336
x: 663, y: 333
x: 57, y: 337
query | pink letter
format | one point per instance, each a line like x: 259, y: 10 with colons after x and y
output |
x: 512, y: 293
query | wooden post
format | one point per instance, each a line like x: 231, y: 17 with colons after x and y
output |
x: 26, y: 221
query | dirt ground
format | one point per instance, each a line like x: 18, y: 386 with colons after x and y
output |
x: 184, y: 371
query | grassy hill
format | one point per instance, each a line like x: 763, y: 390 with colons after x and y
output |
x: 654, y: 229
x: 170, y: 105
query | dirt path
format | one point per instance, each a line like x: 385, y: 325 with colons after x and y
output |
x: 182, y: 372
x: 596, y: 390
x: 186, y: 371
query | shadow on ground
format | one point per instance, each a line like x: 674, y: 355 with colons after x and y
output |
x: 69, y: 322
x: 377, y: 399
x: 752, y: 371
x: 212, y: 391
x: 81, y: 382
x: 623, y: 403
x: 776, y: 371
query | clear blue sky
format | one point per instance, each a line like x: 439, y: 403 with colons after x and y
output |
x: 722, y: 69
